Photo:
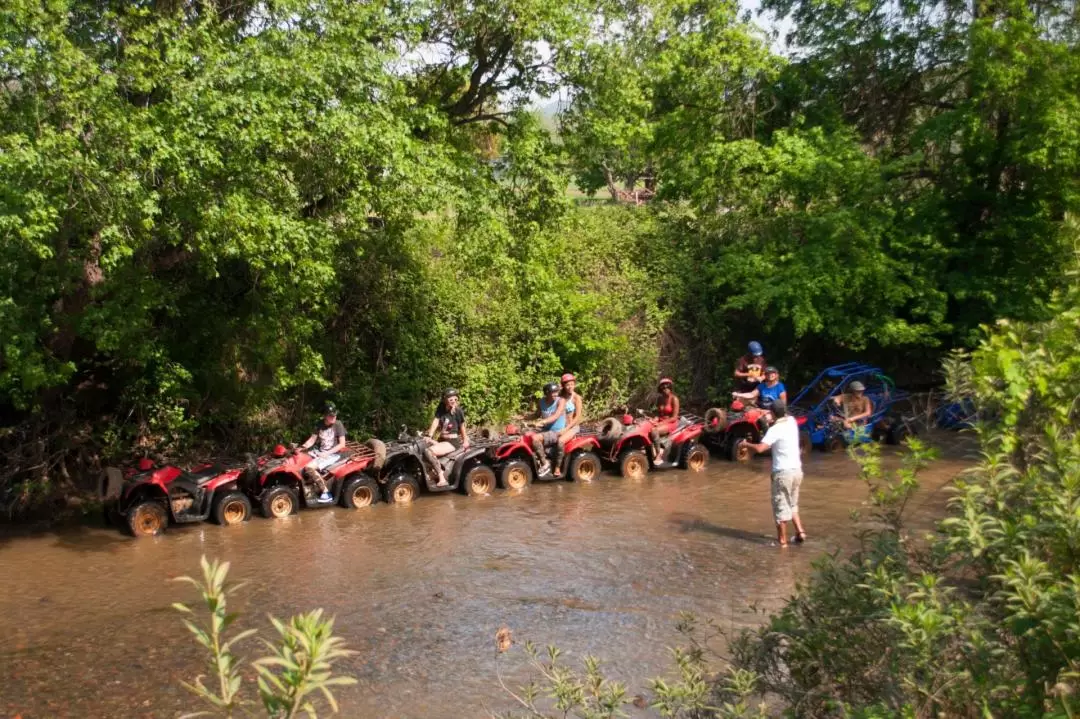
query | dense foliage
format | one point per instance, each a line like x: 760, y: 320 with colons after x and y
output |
x: 983, y: 619
x: 215, y: 215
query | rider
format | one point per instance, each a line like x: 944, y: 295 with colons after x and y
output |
x: 330, y: 434
x: 574, y: 409
x: 748, y: 369
x: 855, y: 405
x: 449, y: 424
x: 667, y: 415
x: 552, y: 415
x: 768, y: 391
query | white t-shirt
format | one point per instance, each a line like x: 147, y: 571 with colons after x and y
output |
x: 783, y: 439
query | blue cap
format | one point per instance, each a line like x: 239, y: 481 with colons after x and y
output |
x: 756, y: 348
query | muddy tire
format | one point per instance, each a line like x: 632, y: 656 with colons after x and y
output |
x: 402, y: 488
x: 897, y: 433
x: 515, y: 475
x: 584, y: 467
x: 634, y: 464
x: 478, y: 481
x: 806, y: 443
x: 611, y: 428
x: 715, y: 420
x: 279, y: 502
x: 740, y: 449
x: 379, y: 448
x: 835, y: 443
x: 147, y: 519
x: 359, y: 491
x: 695, y: 458
x: 231, y: 508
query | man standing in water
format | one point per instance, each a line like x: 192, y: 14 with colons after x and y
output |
x: 783, y: 439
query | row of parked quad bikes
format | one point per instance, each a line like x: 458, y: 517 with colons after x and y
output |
x: 147, y: 498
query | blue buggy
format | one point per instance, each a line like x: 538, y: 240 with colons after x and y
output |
x: 818, y: 414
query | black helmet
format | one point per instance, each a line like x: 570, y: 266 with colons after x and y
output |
x: 551, y: 387
x: 331, y: 409
x: 450, y: 392
x: 771, y: 370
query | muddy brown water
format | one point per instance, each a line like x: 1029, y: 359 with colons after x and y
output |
x: 419, y: 591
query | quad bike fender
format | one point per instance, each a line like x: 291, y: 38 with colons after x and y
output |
x: 744, y: 429
x: 508, y: 450
x: 224, y: 480
x: 142, y: 492
x: 408, y: 462
x: 687, y: 434
x: 629, y: 442
x: 352, y: 466
x: 467, y: 459
x: 579, y: 443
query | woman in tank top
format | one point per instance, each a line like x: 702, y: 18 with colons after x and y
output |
x: 667, y: 415
x: 574, y: 410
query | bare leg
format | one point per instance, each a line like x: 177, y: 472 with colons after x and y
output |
x: 781, y: 533
x: 800, y: 532
x: 654, y: 437
x: 557, y: 457
x: 434, y: 460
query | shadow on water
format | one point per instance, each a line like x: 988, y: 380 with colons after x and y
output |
x: 83, y: 534
x: 685, y: 523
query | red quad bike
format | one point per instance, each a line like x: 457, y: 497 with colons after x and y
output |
x: 729, y: 432
x: 627, y: 445
x: 518, y: 463
x: 406, y: 469
x: 150, y: 497
x: 282, y: 481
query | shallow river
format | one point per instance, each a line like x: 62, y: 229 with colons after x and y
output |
x: 420, y: 591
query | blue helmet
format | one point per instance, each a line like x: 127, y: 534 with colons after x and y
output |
x: 756, y: 348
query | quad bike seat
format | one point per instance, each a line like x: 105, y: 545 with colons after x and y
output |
x: 202, y: 476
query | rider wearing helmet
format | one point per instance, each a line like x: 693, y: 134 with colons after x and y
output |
x: 667, y: 415
x: 749, y: 368
x: 855, y: 406
x: 574, y: 409
x: 330, y: 434
x: 551, y: 413
x: 447, y: 432
x: 766, y: 392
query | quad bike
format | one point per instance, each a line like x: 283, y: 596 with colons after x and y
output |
x: 151, y: 497
x: 518, y: 464
x: 283, y: 482
x: 730, y: 432
x: 407, y: 469
x: 628, y: 444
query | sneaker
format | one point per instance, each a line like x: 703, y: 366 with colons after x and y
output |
x: 545, y: 467
x: 325, y: 497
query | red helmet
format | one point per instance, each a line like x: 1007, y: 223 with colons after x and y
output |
x: 628, y: 419
x: 280, y: 451
x: 568, y: 377
x: 512, y: 429
x: 737, y: 405
x: 145, y: 464
x: 665, y: 381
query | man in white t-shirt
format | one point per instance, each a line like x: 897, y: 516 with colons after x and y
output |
x: 783, y: 439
